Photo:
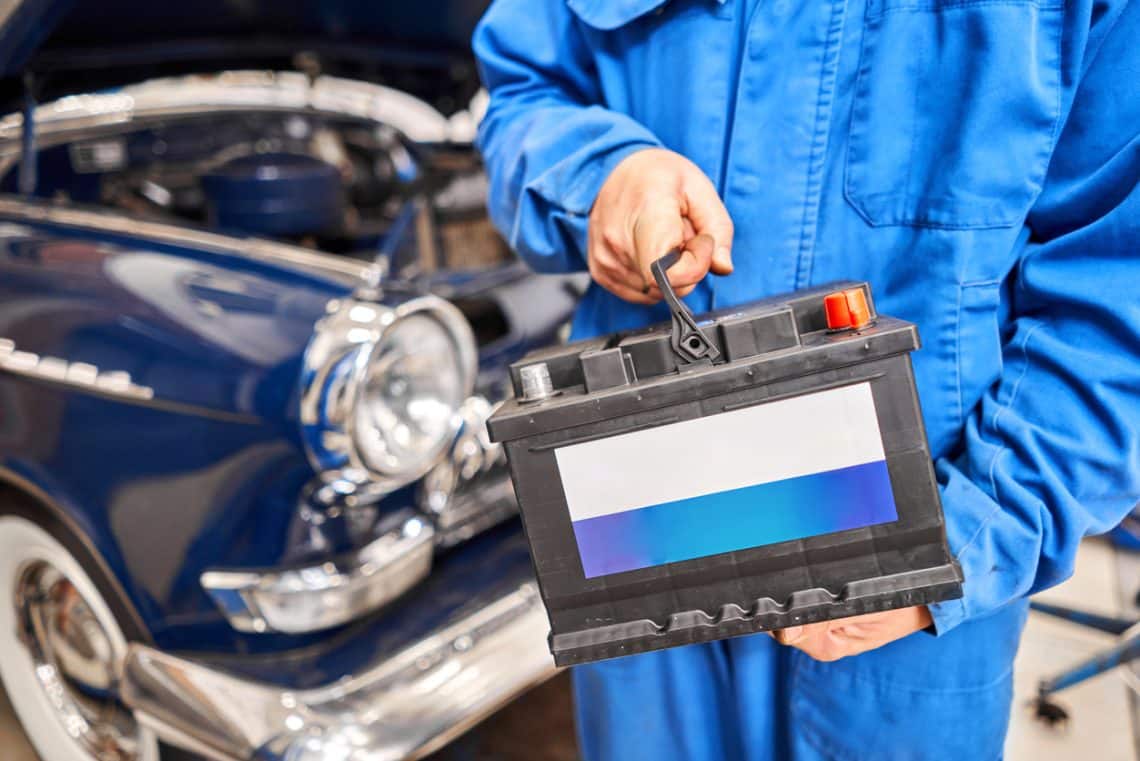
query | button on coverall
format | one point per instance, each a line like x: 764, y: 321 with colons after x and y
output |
x: 977, y: 161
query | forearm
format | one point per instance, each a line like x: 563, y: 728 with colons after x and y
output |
x: 546, y: 164
x: 547, y: 139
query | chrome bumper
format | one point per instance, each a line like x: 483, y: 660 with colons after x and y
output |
x: 331, y: 593
x: 402, y: 707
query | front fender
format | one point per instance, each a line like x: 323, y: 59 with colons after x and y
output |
x: 202, y: 464
x: 191, y: 459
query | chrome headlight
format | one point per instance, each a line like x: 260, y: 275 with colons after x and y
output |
x: 382, y: 388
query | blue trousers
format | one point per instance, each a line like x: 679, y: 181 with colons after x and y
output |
x: 922, y: 698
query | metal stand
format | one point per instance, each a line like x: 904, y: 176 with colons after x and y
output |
x: 1125, y: 651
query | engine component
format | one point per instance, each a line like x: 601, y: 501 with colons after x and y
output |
x: 275, y: 194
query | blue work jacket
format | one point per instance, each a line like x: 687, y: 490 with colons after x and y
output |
x: 977, y: 161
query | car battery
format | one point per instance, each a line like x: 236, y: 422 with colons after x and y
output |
x: 759, y: 467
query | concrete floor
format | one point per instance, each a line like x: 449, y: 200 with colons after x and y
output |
x: 1104, y: 724
x: 13, y: 746
x: 1104, y: 717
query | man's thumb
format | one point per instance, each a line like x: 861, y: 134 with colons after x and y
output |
x: 707, y: 214
x: 722, y: 261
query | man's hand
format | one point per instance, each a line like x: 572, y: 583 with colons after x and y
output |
x: 653, y: 201
x: 832, y: 640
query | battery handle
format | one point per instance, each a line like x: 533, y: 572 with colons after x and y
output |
x: 689, y: 342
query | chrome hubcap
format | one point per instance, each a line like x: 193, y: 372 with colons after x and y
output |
x: 75, y: 663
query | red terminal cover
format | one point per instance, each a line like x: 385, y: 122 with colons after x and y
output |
x: 857, y: 307
x: 846, y: 309
x: 838, y: 315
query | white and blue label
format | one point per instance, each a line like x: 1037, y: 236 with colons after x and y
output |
x: 790, y: 469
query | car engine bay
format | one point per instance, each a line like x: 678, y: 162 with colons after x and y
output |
x: 305, y: 175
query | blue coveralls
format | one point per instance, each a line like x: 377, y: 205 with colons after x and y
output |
x: 978, y: 162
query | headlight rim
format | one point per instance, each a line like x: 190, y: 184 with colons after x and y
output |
x: 351, y: 331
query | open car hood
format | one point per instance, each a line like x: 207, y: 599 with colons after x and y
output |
x: 71, y: 46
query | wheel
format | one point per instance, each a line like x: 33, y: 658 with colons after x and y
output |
x: 1050, y: 713
x: 61, y: 648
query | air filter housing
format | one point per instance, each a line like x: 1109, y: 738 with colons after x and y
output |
x: 275, y: 194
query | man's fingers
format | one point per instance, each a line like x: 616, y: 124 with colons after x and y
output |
x: 610, y: 259
x: 694, y: 263
x: 798, y: 636
x: 618, y: 280
x: 832, y: 640
x: 622, y: 291
x: 687, y: 228
x: 654, y: 201
x: 706, y: 211
x: 617, y: 271
x: 656, y: 231
x: 818, y: 641
x: 789, y: 636
x: 690, y: 269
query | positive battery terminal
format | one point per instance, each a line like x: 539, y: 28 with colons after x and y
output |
x: 847, y: 309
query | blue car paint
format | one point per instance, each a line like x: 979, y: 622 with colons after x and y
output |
x: 463, y: 580
x: 55, y: 173
x: 432, y: 26
x: 205, y: 475
x: 210, y: 472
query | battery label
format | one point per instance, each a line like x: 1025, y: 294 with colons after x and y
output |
x: 790, y: 469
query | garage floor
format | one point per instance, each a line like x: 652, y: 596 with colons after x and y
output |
x: 1105, y: 719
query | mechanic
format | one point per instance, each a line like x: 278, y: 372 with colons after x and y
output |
x: 977, y: 163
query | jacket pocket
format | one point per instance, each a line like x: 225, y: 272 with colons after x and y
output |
x: 608, y: 15
x: 955, y: 111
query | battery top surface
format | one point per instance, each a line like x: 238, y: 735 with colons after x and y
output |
x: 758, y: 343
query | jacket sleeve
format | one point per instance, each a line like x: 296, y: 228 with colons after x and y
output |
x: 547, y: 139
x: 1052, y: 453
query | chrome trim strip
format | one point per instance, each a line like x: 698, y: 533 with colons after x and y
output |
x: 403, y: 707
x: 232, y: 91
x: 469, y: 490
x: 347, y: 270
x: 471, y: 511
x: 312, y: 598
x: 75, y: 374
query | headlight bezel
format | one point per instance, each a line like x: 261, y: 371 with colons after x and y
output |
x: 334, y: 371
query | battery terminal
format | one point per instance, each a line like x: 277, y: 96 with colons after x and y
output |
x: 536, y: 382
x: 847, y: 309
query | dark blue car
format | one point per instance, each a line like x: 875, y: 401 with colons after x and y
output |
x: 252, y: 322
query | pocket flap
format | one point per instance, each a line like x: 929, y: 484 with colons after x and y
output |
x: 611, y: 14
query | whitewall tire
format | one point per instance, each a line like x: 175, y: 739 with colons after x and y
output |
x: 61, y: 651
